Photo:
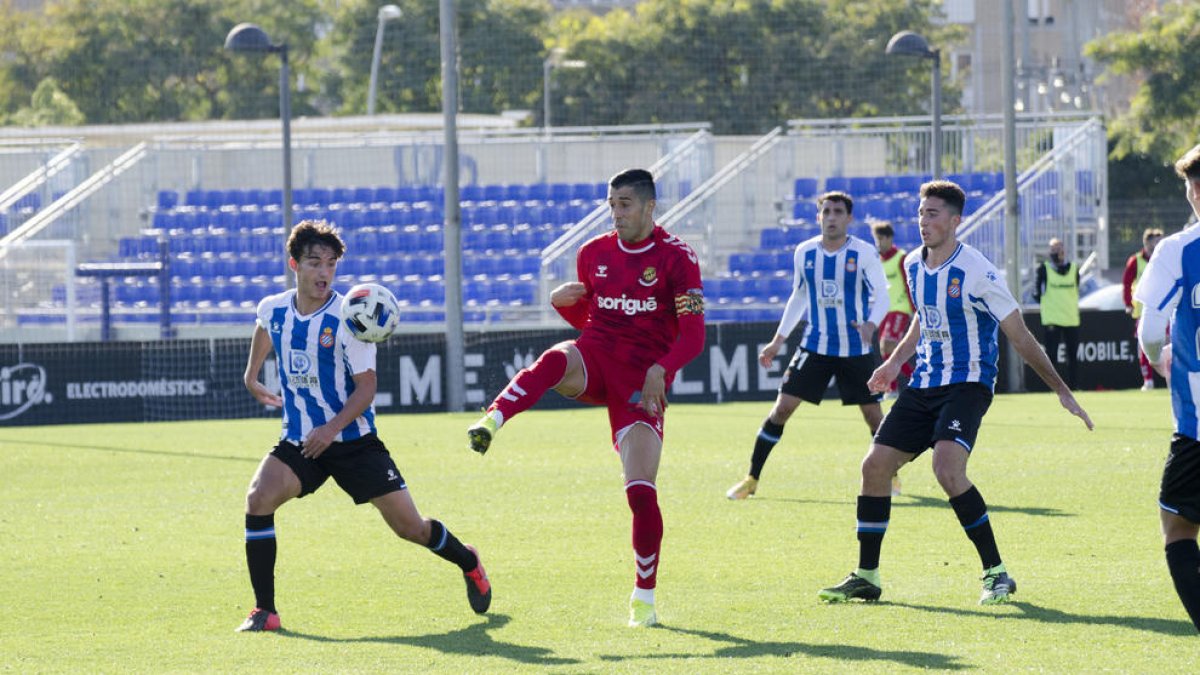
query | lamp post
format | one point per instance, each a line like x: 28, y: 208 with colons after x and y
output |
x: 386, y: 13
x: 554, y: 60
x: 247, y: 37
x: 908, y: 43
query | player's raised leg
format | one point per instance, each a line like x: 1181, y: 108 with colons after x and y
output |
x: 400, y: 513
x: 873, y: 513
x: 559, y: 368
x: 641, y: 450
x: 273, y: 484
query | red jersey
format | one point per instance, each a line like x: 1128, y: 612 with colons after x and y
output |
x: 644, y: 303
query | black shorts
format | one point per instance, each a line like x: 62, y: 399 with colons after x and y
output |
x: 807, y: 377
x: 1180, y: 491
x: 362, y: 468
x: 922, y: 417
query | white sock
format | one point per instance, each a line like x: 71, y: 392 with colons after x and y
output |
x: 498, y: 417
x: 646, y: 595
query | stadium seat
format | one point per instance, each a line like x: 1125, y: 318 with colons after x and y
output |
x: 194, y: 198
x: 493, y: 193
x: 362, y: 196
x: 167, y: 199
x: 516, y: 192
x: 538, y: 192
x: 470, y: 193
x: 860, y: 186
x: 383, y: 195
x: 837, y: 183
x: 805, y: 188
x: 214, y: 199
x: 560, y: 192
x: 908, y: 183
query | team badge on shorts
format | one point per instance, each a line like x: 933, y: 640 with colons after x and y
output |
x: 327, y: 337
x: 649, y: 276
x: 955, y: 288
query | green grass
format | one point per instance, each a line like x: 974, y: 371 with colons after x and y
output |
x: 122, y: 550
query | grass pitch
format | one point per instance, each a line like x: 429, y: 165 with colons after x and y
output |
x: 123, y: 550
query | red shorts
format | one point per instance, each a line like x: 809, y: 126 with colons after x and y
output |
x: 894, y: 326
x: 617, y: 386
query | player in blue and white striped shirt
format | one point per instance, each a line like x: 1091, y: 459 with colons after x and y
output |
x: 1169, y: 289
x: 842, y: 290
x: 960, y: 304
x: 328, y: 381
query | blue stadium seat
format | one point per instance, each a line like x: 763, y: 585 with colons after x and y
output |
x: 470, y: 193
x: 560, y: 192
x: 432, y: 239
x: 861, y: 186
x: 256, y: 197
x: 362, y: 196
x: 494, y: 193
x: 235, y: 198
x: 883, y: 184
x: 837, y: 183
x: 167, y: 199
x: 214, y: 199
x: 539, y: 192
x: 785, y: 260
x: 805, y: 188
x: 498, y: 238
x: 779, y: 286
x: 381, y: 195
x: 741, y: 263
x: 321, y: 197
x: 583, y: 191
x: 516, y: 192
x: 771, y: 238
x: 194, y: 198
x: 406, y: 194
x: 908, y: 183
x: 803, y: 210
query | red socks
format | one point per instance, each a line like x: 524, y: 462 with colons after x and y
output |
x: 647, y: 530
x: 528, y: 386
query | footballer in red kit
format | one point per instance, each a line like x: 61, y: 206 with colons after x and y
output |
x: 639, y: 306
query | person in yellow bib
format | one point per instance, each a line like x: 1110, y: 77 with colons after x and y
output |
x: 1133, y: 272
x: 1057, y: 290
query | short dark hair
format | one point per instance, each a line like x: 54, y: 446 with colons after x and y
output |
x: 947, y: 191
x: 883, y: 230
x: 837, y: 196
x: 1151, y: 233
x: 641, y: 180
x: 309, y: 233
x: 1188, y: 166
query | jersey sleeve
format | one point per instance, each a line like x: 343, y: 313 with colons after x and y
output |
x: 1160, y: 287
x: 992, y: 292
x: 797, y: 303
x: 359, y: 355
x: 262, y: 313
x: 688, y: 291
x: 577, y: 314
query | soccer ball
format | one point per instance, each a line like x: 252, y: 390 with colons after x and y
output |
x: 370, y: 312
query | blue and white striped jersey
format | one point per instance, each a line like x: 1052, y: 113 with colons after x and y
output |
x: 960, y: 305
x: 1171, y: 285
x: 836, y: 290
x: 317, y: 358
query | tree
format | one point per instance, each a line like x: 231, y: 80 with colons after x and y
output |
x: 1165, y: 52
x: 500, y: 56
x: 746, y: 65
x: 49, y: 107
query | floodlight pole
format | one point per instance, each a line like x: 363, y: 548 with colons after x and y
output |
x: 456, y: 378
x: 1012, y: 239
x: 386, y: 13
x: 937, y: 113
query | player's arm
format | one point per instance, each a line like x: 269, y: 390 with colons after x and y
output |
x: 1152, y: 336
x: 1027, y: 346
x: 881, y: 380
x: 1160, y: 292
x: 320, y: 438
x: 260, y: 348
x: 793, y: 312
x: 570, y: 301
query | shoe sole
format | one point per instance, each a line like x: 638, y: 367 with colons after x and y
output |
x: 734, y: 497
x: 480, y: 439
x: 834, y: 596
x: 648, y: 623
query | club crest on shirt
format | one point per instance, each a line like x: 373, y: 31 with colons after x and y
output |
x: 649, y: 277
x: 955, y: 288
x: 851, y: 264
x: 326, y: 338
